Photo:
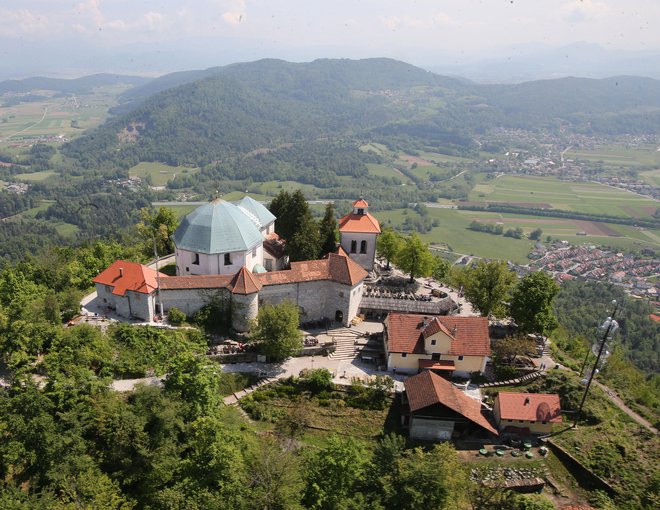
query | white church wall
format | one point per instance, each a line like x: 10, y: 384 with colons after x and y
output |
x: 366, y: 260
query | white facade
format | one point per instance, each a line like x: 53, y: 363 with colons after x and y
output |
x: 190, y: 263
x: 361, y: 247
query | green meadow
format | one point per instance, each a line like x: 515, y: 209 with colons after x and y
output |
x: 159, y: 173
x: 585, y: 197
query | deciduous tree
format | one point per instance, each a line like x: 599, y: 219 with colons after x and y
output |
x: 531, y: 303
x: 487, y: 286
x: 276, y: 330
x: 415, y: 258
x: 389, y: 244
x: 158, y: 227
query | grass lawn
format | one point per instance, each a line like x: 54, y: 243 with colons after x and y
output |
x: 652, y: 177
x: 67, y: 229
x: 384, y: 171
x: 159, y: 173
x: 269, y: 189
x: 618, y: 155
x: 583, y: 197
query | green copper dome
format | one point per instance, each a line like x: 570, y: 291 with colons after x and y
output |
x: 257, y: 209
x: 217, y: 227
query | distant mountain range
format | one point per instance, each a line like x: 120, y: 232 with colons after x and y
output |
x: 201, y: 116
x: 72, y: 86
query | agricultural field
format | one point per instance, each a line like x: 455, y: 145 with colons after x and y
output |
x: 651, y: 177
x: 585, y: 197
x: 618, y: 155
x: 385, y: 171
x: 159, y: 174
x: 453, y: 234
x: 35, y: 176
x: 54, y: 119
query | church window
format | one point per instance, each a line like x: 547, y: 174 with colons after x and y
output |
x: 227, y: 259
x: 363, y: 247
x: 353, y: 246
x: 195, y: 259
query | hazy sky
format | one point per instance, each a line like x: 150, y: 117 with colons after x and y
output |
x: 377, y: 26
x: 68, y: 37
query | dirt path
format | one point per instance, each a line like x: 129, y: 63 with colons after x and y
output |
x: 621, y: 405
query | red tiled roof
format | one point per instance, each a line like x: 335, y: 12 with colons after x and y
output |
x: 124, y: 275
x: 337, y: 268
x: 654, y: 317
x: 214, y: 281
x: 406, y: 333
x: 361, y: 203
x: 437, y: 365
x: 426, y: 389
x: 244, y: 282
x: 362, y: 223
x: 274, y: 246
x: 530, y: 406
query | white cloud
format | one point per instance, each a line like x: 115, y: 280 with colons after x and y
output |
x: 583, y: 11
x: 439, y: 19
x: 235, y: 13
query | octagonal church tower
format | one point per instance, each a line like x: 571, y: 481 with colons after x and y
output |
x: 222, y: 237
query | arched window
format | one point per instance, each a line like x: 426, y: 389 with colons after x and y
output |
x: 363, y: 247
x: 353, y: 246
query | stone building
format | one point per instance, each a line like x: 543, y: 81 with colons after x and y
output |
x: 128, y: 288
x: 358, y: 232
x: 229, y: 252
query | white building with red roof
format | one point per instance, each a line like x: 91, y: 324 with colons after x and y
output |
x: 526, y: 413
x: 445, y: 345
x: 358, y: 232
x: 129, y: 289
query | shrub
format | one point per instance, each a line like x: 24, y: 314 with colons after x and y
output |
x: 175, y: 316
x: 317, y: 381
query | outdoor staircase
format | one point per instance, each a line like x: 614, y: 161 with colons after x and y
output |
x: 344, y: 344
x: 512, y: 382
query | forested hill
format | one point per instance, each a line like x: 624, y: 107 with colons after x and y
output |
x: 242, y: 107
x: 70, y: 86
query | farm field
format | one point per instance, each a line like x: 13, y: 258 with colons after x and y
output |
x: 54, y: 119
x: 585, y: 197
x: 384, y: 171
x: 652, y: 177
x: 618, y: 155
x: 452, y: 233
x: 159, y: 173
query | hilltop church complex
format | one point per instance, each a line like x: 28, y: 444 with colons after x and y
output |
x: 230, y: 252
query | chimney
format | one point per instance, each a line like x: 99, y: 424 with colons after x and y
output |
x: 121, y: 272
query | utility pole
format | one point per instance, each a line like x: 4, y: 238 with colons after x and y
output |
x: 609, y: 327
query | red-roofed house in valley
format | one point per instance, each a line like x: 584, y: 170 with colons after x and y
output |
x: 525, y: 413
x: 435, y: 409
x: 128, y: 288
x: 358, y: 232
x: 444, y: 345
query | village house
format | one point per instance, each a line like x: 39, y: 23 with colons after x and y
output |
x: 445, y: 345
x: 526, y: 413
x: 435, y: 409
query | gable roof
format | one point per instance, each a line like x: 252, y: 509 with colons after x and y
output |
x: 427, y: 389
x: 530, y: 406
x: 244, y: 282
x: 124, y: 275
x: 360, y: 203
x: 406, y: 333
x: 361, y: 223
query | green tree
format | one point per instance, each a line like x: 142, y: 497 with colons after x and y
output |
x: 415, y: 258
x: 328, y: 231
x: 441, y: 268
x: 296, y: 224
x: 280, y: 206
x: 507, y: 349
x: 531, y: 303
x: 487, y: 285
x: 389, y: 244
x: 305, y: 243
x: 158, y: 227
x: 195, y: 380
x: 276, y: 330
x: 535, y: 235
x: 332, y: 475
